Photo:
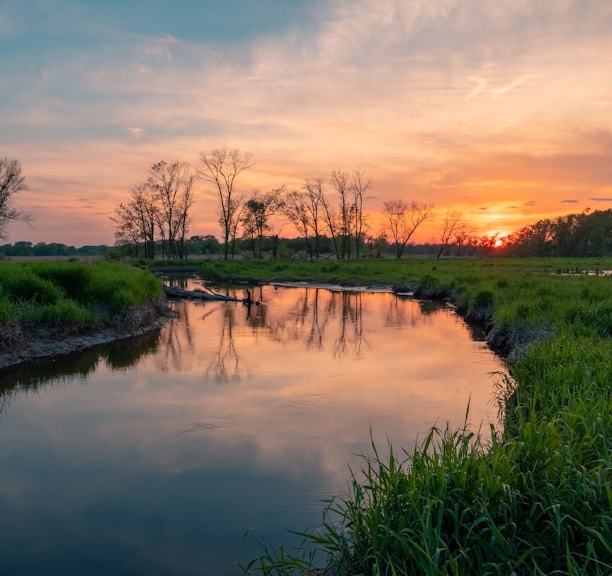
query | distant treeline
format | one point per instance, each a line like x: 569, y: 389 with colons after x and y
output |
x: 52, y: 249
x: 574, y: 235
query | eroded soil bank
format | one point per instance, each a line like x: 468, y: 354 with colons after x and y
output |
x: 21, y: 344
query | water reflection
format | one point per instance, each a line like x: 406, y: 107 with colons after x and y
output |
x: 76, y: 367
x: 157, y: 457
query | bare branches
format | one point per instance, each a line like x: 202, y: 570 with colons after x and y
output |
x: 403, y: 218
x: 256, y: 216
x: 359, y: 186
x: 12, y: 181
x: 296, y: 211
x: 455, y: 231
x: 221, y: 167
x: 160, y: 204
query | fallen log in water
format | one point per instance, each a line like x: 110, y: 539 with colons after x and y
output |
x: 199, y: 294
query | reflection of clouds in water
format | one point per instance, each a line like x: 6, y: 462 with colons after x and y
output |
x: 289, y: 403
x: 287, y: 426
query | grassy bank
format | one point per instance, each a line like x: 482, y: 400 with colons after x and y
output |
x: 538, y: 498
x: 68, y: 297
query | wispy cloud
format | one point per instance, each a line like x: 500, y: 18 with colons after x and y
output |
x: 481, y: 84
x: 457, y: 101
x: 161, y: 47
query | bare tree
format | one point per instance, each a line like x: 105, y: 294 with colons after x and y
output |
x: 12, y: 181
x: 455, y: 231
x: 171, y: 187
x: 314, y: 199
x: 340, y: 182
x: 136, y: 221
x: 256, y: 216
x: 221, y: 167
x: 332, y: 222
x: 296, y: 210
x: 161, y: 204
x: 403, y: 218
x: 359, y: 187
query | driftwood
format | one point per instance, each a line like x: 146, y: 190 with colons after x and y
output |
x: 205, y: 294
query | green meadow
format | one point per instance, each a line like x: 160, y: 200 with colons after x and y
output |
x: 537, y: 498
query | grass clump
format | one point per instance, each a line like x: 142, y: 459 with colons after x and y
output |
x: 71, y: 294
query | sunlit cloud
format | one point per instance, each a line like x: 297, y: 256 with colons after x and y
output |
x: 161, y: 47
x: 136, y: 133
x: 515, y: 84
x: 481, y: 84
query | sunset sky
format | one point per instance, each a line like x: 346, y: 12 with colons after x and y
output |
x: 501, y: 109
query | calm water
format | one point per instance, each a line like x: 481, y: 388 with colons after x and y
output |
x: 157, y: 456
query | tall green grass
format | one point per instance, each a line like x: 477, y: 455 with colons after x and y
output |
x: 71, y: 293
x: 537, y: 498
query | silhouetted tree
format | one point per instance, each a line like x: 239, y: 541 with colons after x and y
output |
x: 161, y: 204
x: 580, y: 235
x: 12, y: 181
x: 341, y: 184
x: 454, y: 232
x: 296, y: 210
x: 403, y: 219
x: 258, y: 211
x: 359, y: 188
x: 221, y: 167
x: 171, y: 186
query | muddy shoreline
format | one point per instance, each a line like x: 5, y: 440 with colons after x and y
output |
x: 22, y: 345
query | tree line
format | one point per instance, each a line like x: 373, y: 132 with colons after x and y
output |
x: 585, y: 234
x: 328, y: 216
x: 41, y: 249
x: 157, y: 212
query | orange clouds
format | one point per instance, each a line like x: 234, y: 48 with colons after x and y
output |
x: 456, y: 103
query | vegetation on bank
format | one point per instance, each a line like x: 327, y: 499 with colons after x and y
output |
x: 537, y: 498
x: 69, y: 295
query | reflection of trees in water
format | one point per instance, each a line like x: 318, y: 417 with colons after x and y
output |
x: 120, y: 355
x: 225, y: 363
x: 306, y: 321
x: 256, y: 313
x: 350, y: 335
x: 177, y: 345
x: 313, y: 316
x: 402, y: 312
x: 317, y: 318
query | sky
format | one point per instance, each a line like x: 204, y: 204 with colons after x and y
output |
x: 499, y: 109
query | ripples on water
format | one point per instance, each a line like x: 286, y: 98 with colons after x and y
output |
x: 157, y: 455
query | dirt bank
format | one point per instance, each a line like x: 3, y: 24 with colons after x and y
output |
x: 22, y: 344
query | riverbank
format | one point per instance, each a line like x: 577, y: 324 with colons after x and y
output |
x: 24, y: 345
x: 51, y: 309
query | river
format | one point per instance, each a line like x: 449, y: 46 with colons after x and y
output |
x: 174, y: 453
